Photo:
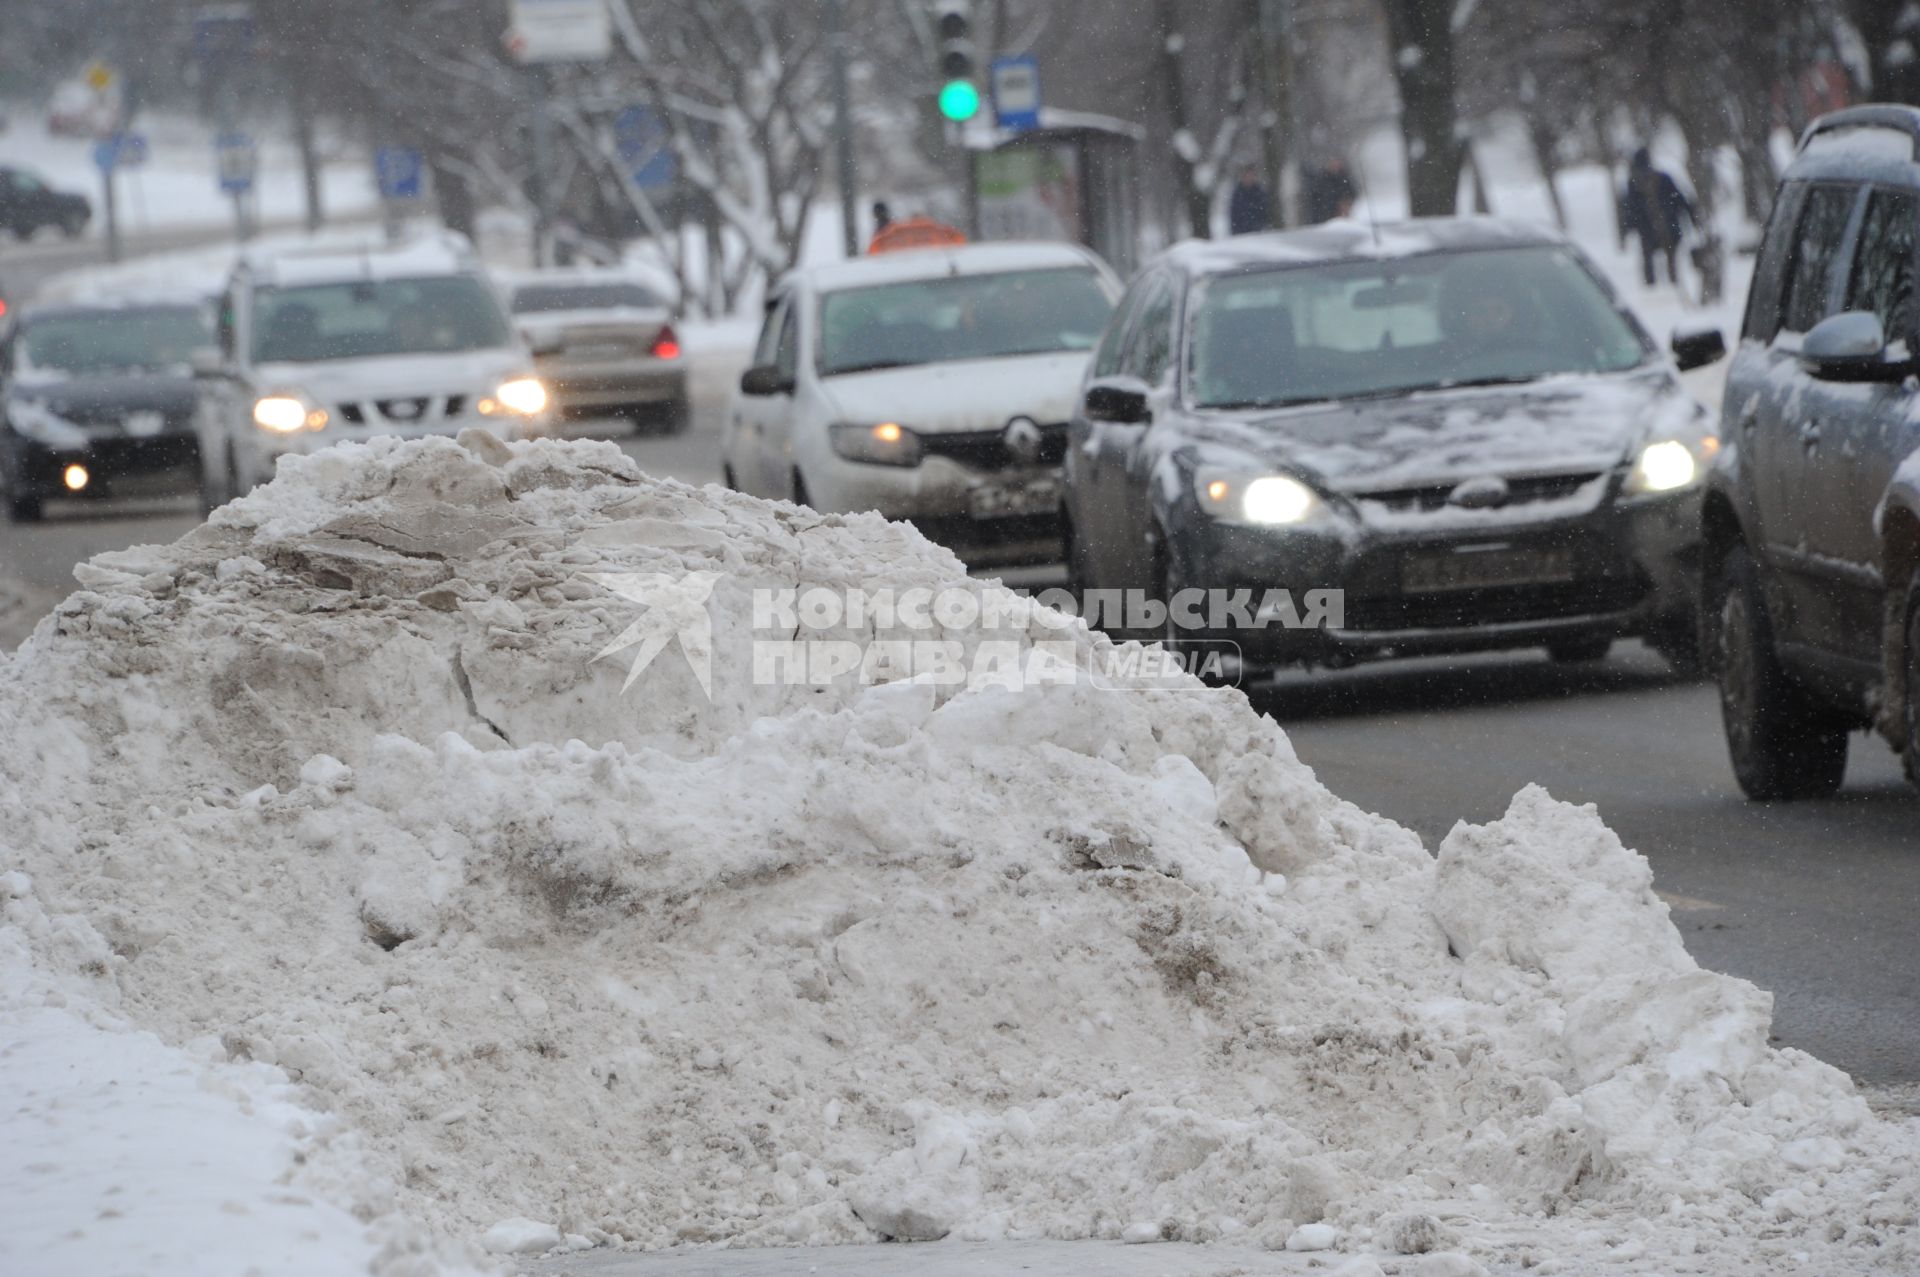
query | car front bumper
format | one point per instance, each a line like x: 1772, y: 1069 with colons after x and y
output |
x: 1633, y: 565
x: 949, y: 503
x: 116, y: 465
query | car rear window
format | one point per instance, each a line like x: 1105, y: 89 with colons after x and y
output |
x: 534, y: 298
x: 1307, y: 334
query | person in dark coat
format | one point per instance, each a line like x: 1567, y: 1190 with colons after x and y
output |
x: 1329, y: 191
x: 1658, y: 211
x: 1251, y: 208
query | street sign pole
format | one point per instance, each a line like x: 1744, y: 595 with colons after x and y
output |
x: 542, y: 167
x: 843, y: 130
x: 111, y: 207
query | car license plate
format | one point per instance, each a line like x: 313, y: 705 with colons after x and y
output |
x: 1006, y: 500
x: 1474, y: 568
x: 600, y: 352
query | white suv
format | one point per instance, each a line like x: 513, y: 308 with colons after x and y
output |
x: 321, y: 345
x: 932, y: 385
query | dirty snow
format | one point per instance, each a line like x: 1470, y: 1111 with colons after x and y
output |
x: 333, y: 792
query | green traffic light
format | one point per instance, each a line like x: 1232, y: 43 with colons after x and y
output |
x: 959, y: 100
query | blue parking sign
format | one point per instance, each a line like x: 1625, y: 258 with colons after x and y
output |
x: 646, y: 146
x: 400, y: 172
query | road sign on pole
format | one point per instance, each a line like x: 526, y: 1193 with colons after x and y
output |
x: 236, y: 162
x: 400, y: 173
x: 542, y: 31
x: 646, y: 147
x: 1016, y: 93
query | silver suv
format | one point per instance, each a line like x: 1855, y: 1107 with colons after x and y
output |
x: 1812, y: 559
x: 321, y: 345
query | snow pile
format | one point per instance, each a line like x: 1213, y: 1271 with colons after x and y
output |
x: 802, y: 964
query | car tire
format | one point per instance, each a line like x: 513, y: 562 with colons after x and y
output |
x: 1783, y: 745
x: 1910, y: 751
x: 727, y: 480
x: 72, y: 225
x: 25, y: 509
x: 672, y: 418
x: 800, y: 496
x: 1579, y: 651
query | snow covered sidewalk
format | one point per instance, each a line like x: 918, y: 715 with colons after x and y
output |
x: 338, y: 793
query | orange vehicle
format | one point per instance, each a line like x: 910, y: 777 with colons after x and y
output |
x: 914, y: 232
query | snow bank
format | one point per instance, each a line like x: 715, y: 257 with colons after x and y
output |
x: 340, y: 785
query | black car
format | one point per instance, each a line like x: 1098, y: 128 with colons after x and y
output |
x: 98, y: 400
x: 1812, y: 564
x: 27, y: 204
x: 1450, y: 429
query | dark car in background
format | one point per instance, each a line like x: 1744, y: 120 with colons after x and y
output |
x: 604, y: 345
x: 28, y: 205
x: 1812, y: 564
x: 1453, y: 422
x: 99, y: 400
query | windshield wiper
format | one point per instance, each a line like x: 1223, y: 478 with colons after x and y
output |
x: 872, y: 365
x: 1510, y: 379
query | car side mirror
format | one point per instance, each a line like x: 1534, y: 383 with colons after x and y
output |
x: 1852, y: 346
x: 1697, y: 348
x: 1120, y: 400
x: 207, y: 361
x: 765, y: 379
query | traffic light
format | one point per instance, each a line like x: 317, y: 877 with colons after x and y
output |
x: 959, y: 95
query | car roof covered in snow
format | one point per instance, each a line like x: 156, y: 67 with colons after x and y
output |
x: 904, y: 265
x: 441, y: 253
x: 1353, y: 240
x: 1862, y: 143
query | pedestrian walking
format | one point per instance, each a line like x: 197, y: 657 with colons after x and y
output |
x: 1251, y: 208
x: 1329, y: 191
x: 1654, y: 208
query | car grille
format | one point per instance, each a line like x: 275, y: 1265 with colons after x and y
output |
x: 1494, y: 606
x: 401, y: 410
x: 987, y: 449
x: 1430, y: 497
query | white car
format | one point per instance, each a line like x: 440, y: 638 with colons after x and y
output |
x: 933, y: 385
x: 317, y: 346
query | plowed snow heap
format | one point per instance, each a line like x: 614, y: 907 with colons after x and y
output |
x: 336, y: 783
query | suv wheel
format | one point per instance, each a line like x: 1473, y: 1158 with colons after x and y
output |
x: 1783, y: 744
x: 1910, y: 753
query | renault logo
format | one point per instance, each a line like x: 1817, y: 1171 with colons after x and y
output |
x: 1484, y: 492
x: 1024, y: 439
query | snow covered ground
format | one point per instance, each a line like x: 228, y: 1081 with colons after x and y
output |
x: 334, y: 798
x: 177, y: 187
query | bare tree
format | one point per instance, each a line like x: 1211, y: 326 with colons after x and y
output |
x: 1421, y: 32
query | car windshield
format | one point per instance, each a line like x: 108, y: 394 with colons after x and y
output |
x: 1310, y: 334
x: 543, y: 297
x: 87, y: 342
x: 930, y: 321
x: 437, y: 315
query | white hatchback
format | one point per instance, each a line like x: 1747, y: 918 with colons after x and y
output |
x: 933, y: 385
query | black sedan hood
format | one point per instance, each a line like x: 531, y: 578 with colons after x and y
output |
x: 105, y: 399
x: 1558, y: 425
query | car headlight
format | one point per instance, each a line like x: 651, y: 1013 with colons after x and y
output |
x: 288, y: 413
x: 887, y: 444
x: 1268, y: 499
x: 519, y: 396
x: 1668, y: 465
